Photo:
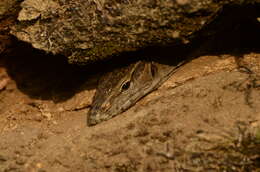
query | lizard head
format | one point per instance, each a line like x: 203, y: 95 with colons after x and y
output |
x: 120, y: 89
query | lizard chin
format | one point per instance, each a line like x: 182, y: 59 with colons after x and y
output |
x: 94, y: 119
x: 97, y: 116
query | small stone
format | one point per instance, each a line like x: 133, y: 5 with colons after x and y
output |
x: 47, y: 115
x: 3, y: 158
x: 60, y: 109
x: 3, y: 83
x: 39, y: 165
x: 20, y: 161
x: 38, y: 117
x: 43, y: 135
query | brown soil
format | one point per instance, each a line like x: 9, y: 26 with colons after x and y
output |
x: 206, y: 117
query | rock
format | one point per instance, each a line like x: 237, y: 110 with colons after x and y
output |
x: 6, y: 6
x: 8, y: 12
x: 90, y: 30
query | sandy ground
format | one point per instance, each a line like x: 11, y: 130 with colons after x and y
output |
x: 199, y: 119
x: 206, y: 117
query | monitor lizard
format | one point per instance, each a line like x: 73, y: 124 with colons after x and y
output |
x: 121, y: 88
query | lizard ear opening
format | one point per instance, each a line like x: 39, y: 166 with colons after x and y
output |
x: 138, y: 71
x: 125, y: 86
x: 153, y: 70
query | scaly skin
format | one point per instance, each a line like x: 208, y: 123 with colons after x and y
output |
x: 122, y: 88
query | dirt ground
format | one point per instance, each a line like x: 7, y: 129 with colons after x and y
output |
x: 206, y: 117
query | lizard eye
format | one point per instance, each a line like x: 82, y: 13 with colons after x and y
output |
x: 125, y: 86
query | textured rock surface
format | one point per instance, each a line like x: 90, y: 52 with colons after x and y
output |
x: 90, y: 30
x: 8, y: 12
x: 7, y: 6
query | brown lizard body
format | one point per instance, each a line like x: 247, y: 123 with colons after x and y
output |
x: 123, y: 87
